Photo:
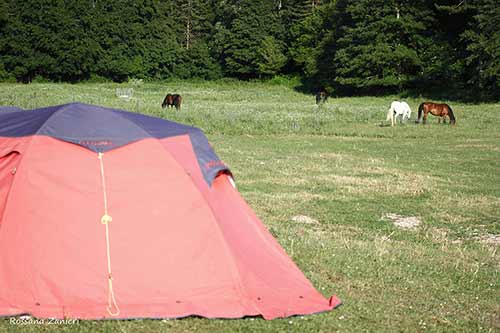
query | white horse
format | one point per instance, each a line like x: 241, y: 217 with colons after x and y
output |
x: 398, y: 109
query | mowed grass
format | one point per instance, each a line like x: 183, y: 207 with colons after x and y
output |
x: 340, y: 166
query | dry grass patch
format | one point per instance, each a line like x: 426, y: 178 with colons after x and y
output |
x: 488, y: 239
x: 291, y: 196
x: 438, y: 235
x: 456, y: 208
x: 476, y: 201
x: 330, y: 156
x: 450, y: 217
x: 393, y: 183
x: 303, y: 219
x: 384, y: 245
x: 291, y: 180
x: 403, y: 222
x: 478, y: 146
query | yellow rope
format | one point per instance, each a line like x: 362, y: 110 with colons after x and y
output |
x: 112, y: 307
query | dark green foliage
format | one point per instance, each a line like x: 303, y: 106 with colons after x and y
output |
x: 250, y: 42
x: 374, y: 45
x: 136, y: 40
x: 196, y: 62
x: 446, y: 47
x: 75, y: 40
x: 483, y: 46
x: 194, y: 21
x: 49, y: 39
x: 305, y: 33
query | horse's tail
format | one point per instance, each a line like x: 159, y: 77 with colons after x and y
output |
x: 452, y: 116
x: 420, y: 112
x: 390, y: 113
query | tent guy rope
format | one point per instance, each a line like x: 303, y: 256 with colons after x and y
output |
x: 112, y: 307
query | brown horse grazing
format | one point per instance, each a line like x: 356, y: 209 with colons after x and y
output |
x: 436, y: 109
x: 172, y: 100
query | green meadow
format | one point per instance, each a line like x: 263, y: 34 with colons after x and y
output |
x: 401, y: 223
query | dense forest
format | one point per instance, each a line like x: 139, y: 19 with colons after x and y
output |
x: 347, y: 46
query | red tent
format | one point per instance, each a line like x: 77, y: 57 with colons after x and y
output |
x: 111, y: 214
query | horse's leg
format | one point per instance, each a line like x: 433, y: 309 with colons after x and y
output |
x: 425, y: 118
x: 389, y: 114
x: 395, y: 115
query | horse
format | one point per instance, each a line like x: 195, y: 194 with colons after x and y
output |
x: 398, y: 109
x: 321, y: 96
x: 441, y: 110
x: 172, y: 100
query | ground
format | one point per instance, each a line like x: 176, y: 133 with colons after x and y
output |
x: 400, y: 223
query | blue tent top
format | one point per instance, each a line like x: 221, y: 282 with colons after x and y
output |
x: 4, y: 109
x: 101, y: 129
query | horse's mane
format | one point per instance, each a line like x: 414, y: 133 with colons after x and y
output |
x: 452, y: 116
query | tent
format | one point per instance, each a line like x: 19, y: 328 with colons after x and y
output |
x: 111, y: 214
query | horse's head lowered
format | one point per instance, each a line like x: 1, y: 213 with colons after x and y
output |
x: 321, y: 96
x: 172, y: 100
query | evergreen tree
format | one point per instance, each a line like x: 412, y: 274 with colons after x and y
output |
x: 374, y: 45
x: 158, y: 45
x: 45, y: 38
x: 306, y: 34
x: 136, y: 39
x: 195, y: 21
x: 118, y: 29
x: 292, y: 12
x: 75, y: 52
x: 4, y: 19
x: 352, y: 46
x: 483, y: 59
x: 194, y: 30
x: 251, y: 47
x: 443, y: 53
x: 196, y: 62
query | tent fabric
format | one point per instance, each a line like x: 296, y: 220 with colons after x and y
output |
x: 102, y: 129
x: 177, y: 245
x: 5, y: 109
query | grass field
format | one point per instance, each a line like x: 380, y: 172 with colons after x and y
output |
x: 340, y: 166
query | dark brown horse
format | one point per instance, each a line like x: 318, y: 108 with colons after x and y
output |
x: 321, y: 96
x: 172, y: 100
x: 441, y: 110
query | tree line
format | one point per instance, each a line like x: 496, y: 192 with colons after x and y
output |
x: 345, y: 46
